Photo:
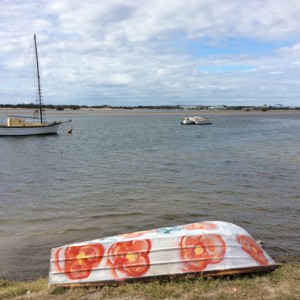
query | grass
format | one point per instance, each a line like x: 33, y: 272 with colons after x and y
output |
x: 9, y: 289
x: 283, y: 283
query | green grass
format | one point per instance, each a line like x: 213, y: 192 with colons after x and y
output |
x: 283, y: 283
x: 9, y: 289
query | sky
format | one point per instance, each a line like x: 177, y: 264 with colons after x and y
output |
x: 154, y: 52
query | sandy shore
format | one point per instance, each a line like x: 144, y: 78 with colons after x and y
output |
x: 96, y: 111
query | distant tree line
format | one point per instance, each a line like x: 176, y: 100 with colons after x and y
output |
x: 33, y: 105
x: 179, y: 107
x: 264, y: 108
x: 74, y: 107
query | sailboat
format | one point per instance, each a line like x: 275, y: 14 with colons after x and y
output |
x: 35, y: 125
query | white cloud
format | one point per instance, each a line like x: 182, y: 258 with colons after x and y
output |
x: 157, y: 51
x: 132, y: 21
x: 121, y: 79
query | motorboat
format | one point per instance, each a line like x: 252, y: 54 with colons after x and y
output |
x: 195, y: 121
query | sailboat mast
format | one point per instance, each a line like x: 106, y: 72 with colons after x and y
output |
x: 38, y: 81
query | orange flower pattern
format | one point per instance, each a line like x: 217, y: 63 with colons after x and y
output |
x: 129, y: 255
x: 130, y: 258
x: 133, y: 234
x: 80, y: 260
x: 198, y: 251
x: 251, y: 247
x: 201, y: 225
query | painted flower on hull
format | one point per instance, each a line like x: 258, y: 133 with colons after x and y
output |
x: 201, y: 225
x: 193, y: 253
x: 129, y: 258
x: 251, y: 247
x: 197, y: 252
x: 80, y: 260
x: 133, y: 234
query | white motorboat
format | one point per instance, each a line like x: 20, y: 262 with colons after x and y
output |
x: 195, y: 121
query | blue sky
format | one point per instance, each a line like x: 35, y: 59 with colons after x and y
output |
x: 155, y: 52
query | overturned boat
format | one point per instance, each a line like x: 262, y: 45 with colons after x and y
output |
x: 206, y: 248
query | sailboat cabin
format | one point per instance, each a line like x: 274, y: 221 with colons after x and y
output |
x: 21, y: 122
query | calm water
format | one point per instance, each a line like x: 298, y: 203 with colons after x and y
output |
x: 126, y: 171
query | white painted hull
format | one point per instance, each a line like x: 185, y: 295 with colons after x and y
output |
x: 23, y: 131
x: 202, y: 123
x: 212, y: 248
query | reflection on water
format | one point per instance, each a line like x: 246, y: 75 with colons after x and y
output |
x: 126, y: 171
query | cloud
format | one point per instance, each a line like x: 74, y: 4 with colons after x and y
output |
x: 153, y: 52
x: 214, y: 19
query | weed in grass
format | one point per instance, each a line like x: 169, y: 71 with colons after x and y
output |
x: 58, y: 291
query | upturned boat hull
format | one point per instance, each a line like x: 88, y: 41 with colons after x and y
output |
x: 206, y: 248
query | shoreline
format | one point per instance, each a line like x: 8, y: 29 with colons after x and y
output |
x: 145, y: 111
x: 280, y: 260
x: 282, y: 283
